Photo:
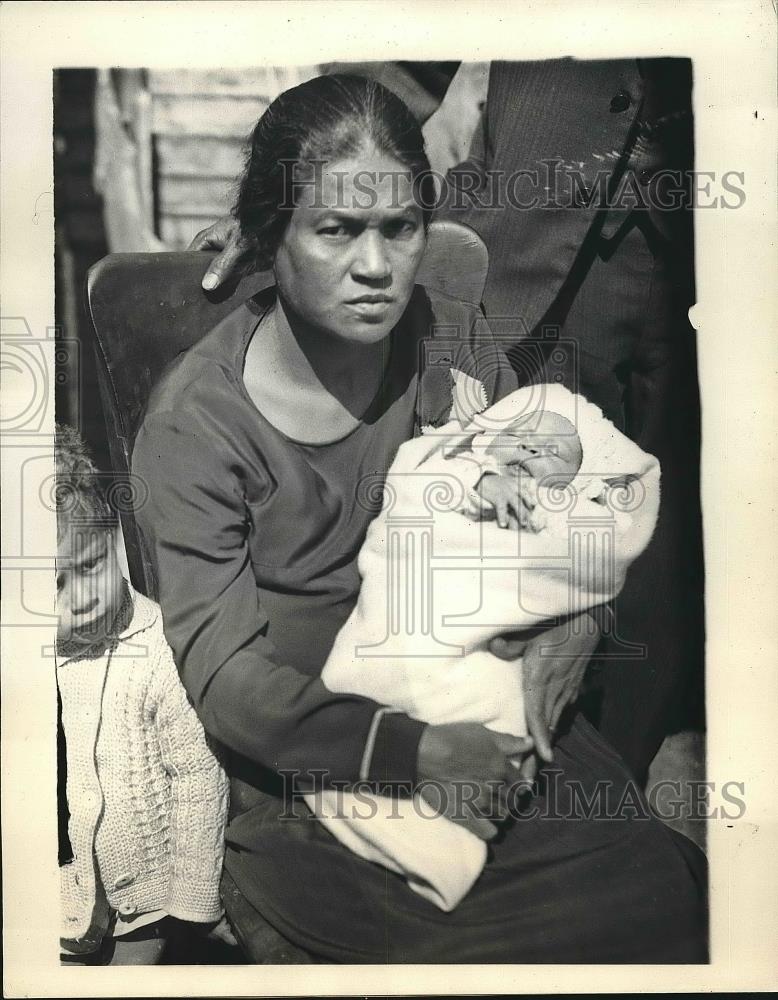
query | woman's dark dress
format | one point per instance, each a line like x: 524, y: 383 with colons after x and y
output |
x: 255, y: 540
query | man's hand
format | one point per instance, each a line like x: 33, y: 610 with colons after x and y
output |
x: 553, y: 665
x: 223, y: 235
x: 462, y: 755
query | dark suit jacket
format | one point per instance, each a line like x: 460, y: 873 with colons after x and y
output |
x: 600, y: 119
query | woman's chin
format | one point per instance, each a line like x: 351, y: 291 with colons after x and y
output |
x: 367, y: 331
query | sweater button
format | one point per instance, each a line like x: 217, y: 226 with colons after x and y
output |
x: 124, y: 881
x: 126, y: 909
x: 620, y: 102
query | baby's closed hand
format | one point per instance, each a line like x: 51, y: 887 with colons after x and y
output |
x: 513, y: 497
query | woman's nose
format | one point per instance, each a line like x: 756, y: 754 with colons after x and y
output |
x: 371, y: 261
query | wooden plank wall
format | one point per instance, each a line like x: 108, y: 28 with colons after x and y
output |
x: 80, y: 241
x: 200, y: 121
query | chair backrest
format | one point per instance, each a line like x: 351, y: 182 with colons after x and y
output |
x: 147, y: 308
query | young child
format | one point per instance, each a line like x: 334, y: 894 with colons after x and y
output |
x: 438, y: 587
x: 147, y: 797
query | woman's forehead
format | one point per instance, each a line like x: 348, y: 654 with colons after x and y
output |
x: 356, y: 186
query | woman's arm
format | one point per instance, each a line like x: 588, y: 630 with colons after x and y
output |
x: 196, y: 529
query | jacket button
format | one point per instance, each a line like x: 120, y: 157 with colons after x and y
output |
x: 124, y: 881
x: 126, y: 909
x: 620, y: 102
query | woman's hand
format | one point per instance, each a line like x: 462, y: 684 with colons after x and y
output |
x: 223, y: 235
x: 473, y: 770
x: 553, y: 665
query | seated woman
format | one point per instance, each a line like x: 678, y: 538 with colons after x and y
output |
x: 255, y: 447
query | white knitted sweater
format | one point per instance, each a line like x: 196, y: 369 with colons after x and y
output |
x: 147, y: 796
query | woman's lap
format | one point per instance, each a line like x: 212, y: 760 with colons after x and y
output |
x: 583, y: 879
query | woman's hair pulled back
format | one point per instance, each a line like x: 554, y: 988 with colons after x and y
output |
x: 328, y: 118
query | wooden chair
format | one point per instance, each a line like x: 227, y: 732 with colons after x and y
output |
x: 146, y: 308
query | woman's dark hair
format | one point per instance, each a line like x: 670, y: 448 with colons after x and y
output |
x: 327, y: 118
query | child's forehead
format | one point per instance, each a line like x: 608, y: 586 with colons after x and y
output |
x: 81, y: 541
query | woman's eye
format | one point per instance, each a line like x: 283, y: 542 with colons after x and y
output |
x: 404, y: 227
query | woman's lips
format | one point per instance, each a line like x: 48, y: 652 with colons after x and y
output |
x: 371, y: 307
x: 372, y: 297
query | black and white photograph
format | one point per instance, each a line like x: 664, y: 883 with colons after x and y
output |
x: 375, y: 494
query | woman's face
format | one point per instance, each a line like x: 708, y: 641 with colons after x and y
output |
x: 348, y: 259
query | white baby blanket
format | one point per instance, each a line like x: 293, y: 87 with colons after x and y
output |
x: 437, y: 587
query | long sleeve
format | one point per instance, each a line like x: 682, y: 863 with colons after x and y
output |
x: 200, y: 798
x: 196, y: 527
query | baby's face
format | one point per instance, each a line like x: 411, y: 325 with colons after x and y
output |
x: 544, y: 446
x: 90, y: 586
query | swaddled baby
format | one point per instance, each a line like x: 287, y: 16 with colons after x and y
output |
x: 539, y: 448
x: 438, y: 586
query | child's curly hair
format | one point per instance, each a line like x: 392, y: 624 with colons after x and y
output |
x: 77, y: 491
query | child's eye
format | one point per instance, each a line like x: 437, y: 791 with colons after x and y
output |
x: 91, y: 564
